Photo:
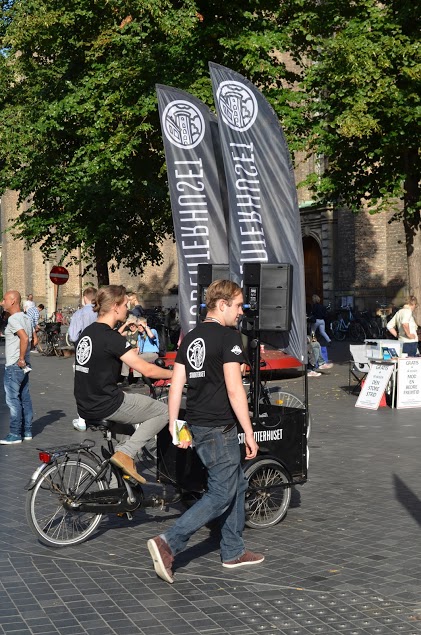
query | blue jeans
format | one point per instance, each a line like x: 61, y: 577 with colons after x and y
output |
x: 224, y: 498
x: 16, y: 387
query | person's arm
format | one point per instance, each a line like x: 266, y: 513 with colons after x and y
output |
x: 174, y: 398
x: 150, y: 333
x: 409, y: 335
x: 75, y: 327
x: 393, y: 331
x: 123, y: 328
x: 238, y: 401
x: 148, y: 370
x: 23, y: 347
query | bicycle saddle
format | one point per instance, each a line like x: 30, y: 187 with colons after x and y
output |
x: 113, y: 426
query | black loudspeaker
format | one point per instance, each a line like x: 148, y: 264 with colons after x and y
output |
x: 268, y: 295
x: 206, y: 274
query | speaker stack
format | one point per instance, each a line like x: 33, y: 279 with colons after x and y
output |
x: 267, y: 293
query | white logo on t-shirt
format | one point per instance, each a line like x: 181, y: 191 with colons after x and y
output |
x: 236, y: 350
x: 84, y: 350
x: 196, y: 353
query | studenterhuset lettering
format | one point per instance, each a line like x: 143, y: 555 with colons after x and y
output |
x: 248, y: 202
x: 192, y: 209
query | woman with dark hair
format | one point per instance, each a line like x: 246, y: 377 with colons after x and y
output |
x: 99, y: 354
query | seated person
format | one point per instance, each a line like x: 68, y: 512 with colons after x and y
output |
x: 98, y: 356
x: 130, y: 332
x: 148, y: 342
x: 315, y: 358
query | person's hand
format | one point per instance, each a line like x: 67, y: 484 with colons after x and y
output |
x: 21, y: 363
x: 184, y: 445
x: 251, y: 446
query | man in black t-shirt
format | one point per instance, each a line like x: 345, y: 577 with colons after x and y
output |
x: 209, y: 360
x: 98, y: 357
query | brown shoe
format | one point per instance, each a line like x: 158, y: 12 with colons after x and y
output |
x: 247, y: 558
x: 126, y: 463
x: 162, y: 558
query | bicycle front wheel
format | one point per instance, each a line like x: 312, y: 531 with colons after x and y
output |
x: 54, y: 525
x: 268, y: 495
x: 356, y: 332
x: 336, y: 331
x: 57, y: 345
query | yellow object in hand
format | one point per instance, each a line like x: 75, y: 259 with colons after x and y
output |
x: 184, y: 434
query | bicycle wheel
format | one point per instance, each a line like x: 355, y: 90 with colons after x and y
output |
x: 289, y: 400
x: 336, y: 331
x: 54, y: 525
x: 69, y: 342
x: 57, y: 345
x: 356, y: 332
x: 374, y: 329
x: 44, y: 345
x: 268, y: 494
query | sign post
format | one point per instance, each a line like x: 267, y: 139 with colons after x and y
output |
x: 58, y: 276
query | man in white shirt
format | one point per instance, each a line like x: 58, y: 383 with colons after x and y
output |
x: 28, y: 302
x: 404, y: 327
x: 18, y: 337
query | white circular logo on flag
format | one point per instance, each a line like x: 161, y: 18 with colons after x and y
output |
x: 196, y: 353
x: 84, y: 350
x: 237, y: 104
x: 183, y: 124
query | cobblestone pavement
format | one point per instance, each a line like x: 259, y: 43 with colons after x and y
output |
x: 344, y: 560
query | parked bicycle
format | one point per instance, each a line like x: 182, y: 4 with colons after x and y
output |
x: 49, y: 339
x: 369, y: 324
x: 385, y: 315
x: 341, y: 328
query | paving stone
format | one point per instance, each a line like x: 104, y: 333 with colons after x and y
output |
x: 346, y: 559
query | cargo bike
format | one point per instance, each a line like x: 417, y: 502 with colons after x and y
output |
x: 76, y: 485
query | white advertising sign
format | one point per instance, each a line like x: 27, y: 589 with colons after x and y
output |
x: 374, y: 386
x: 409, y: 383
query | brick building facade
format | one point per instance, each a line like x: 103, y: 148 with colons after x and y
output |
x: 359, y: 256
x: 26, y: 271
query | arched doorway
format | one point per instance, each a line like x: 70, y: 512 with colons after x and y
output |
x: 312, y: 268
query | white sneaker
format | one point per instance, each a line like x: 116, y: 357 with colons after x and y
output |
x: 312, y: 373
x: 79, y: 424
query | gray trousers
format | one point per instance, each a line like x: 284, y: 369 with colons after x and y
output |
x: 150, y: 414
x: 148, y: 357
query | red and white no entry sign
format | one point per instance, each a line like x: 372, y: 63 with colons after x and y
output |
x: 59, y: 275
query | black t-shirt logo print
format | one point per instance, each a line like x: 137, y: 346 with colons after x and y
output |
x: 84, y: 350
x: 196, y: 353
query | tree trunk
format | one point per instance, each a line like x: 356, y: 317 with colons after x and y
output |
x: 412, y: 224
x: 101, y: 265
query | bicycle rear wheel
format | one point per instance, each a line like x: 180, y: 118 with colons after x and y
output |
x: 289, y: 400
x: 44, y: 345
x: 336, y: 331
x: 54, y: 525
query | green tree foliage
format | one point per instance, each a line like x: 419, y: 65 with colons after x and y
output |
x: 361, y: 71
x: 80, y: 131
x: 80, y: 135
